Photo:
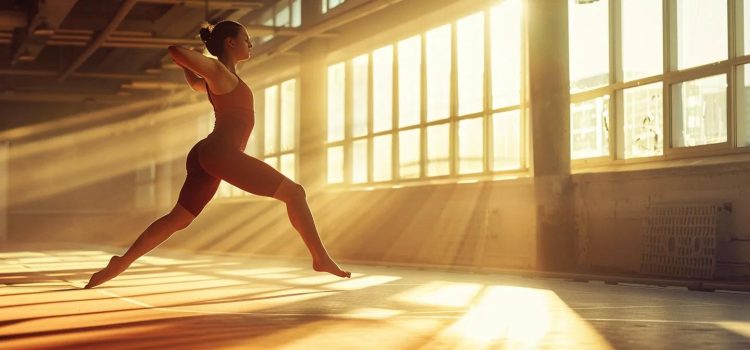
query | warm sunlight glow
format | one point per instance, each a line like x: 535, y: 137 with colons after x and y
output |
x: 440, y: 293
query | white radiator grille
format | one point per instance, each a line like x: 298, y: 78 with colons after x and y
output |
x: 680, y: 240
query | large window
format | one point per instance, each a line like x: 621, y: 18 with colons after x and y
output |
x: 285, y: 13
x: 274, y: 137
x: 443, y: 103
x: 327, y: 5
x: 665, y: 90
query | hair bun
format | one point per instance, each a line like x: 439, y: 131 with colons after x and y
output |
x: 205, y: 34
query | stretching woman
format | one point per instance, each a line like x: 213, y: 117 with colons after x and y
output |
x: 220, y: 155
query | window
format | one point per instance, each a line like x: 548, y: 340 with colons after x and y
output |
x: 450, y: 119
x: 642, y: 43
x: 329, y: 4
x: 281, y: 120
x: 470, y: 42
x: 589, y: 131
x: 382, y: 88
x: 438, y: 46
x: 642, y: 121
x: 743, y: 106
x: 336, y: 102
x: 699, y: 115
x: 588, y: 32
x: 409, y: 80
x: 701, y: 32
x: 285, y: 13
x: 662, y: 106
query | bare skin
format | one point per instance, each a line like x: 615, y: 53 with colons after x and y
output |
x: 219, y: 75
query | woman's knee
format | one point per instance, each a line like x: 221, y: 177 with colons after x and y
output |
x: 289, y: 191
x: 180, y: 218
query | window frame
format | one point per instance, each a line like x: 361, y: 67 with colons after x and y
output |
x: 452, y: 120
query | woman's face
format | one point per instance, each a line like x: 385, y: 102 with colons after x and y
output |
x: 241, y: 45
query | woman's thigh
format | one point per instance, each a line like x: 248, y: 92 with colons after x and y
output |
x: 241, y: 170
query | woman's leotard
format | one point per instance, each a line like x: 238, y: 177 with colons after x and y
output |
x: 220, y: 155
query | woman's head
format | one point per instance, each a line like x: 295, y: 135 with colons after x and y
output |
x: 227, y: 38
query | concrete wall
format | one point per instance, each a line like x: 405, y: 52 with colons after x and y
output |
x: 612, y: 212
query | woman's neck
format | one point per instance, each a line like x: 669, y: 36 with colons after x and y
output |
x: 229, y: 63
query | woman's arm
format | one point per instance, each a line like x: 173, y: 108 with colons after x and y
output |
x: 198, y: 64
x: 196, y: 83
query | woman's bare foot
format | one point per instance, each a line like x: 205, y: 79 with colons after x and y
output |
x: 115, y: 267
x: 327, y: 265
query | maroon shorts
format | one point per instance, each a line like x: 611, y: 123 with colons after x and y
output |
x: 224, y: 163
x: 199, y: 186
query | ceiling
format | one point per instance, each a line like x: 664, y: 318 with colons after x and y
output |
x: 107, y: 51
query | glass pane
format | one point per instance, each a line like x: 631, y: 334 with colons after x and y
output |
x: 409, y: 153
x: 642, y: 44
x: 743, y: 105
x: 701, y: 32
x: 506, y: 140
x: 438, y: 150
x: 271, y: 118
x: 382, y: 88
x: 268, y: 23
x: 282, y: 17
x: 288, y: 109
x: 506, y: 54
x: 470, y: 146
x: 252, y: 148
x: 588, y: 25
x: 381, y: 154
x: 287, y: 165
x: 359, y: 161
x: 335, y: 164
x: 336, y: 102
x: 359, y: 95
x: 699, y: 109
x: 746, y: 21
x: 296, y: 13
x: 642, y: 132
x: 409, y: 80
x: 438, y: 46
x: 273, y: 162
x: 470, y: 60
x: 589, y: 128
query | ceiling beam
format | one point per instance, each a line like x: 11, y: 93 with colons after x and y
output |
x: 101, y: 38
x: 214, y: 4
x: 12, y: 19
x: 48, y: 17
x: 94, y: 75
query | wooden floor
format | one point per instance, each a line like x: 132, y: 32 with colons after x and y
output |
x: 176, y: 301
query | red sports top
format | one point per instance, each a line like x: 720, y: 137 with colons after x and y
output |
x: 235, y: 115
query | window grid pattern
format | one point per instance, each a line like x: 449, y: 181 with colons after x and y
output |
x: 673, y: 92
x: 445, y: 141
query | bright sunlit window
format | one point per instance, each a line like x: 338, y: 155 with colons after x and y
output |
x: 660, y: 103
x: 280, y: 106
x: 441, y: 123
x: 327, y: 5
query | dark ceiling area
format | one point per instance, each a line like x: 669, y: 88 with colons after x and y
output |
x: 107, y: 51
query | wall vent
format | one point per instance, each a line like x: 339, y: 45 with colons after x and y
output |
x: 681, y: 238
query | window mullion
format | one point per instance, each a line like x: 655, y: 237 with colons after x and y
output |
x: 453, y: 118
x: 487, y: 101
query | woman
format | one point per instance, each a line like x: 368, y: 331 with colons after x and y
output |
x: 220, y: 155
